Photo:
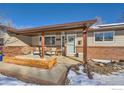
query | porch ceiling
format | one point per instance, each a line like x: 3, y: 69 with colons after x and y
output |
x: 53, y: 28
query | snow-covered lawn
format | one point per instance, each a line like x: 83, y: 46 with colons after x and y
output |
x: 4, y: 80
x: 117, y: 78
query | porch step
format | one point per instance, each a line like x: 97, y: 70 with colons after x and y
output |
x: 75, y: 58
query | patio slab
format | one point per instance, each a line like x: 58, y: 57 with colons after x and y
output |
x: 66, y: 61
x: 54, y: 76
x: 60, y: 59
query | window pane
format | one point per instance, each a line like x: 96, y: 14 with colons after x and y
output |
x: 47, y: 40
x: 108, y: 36
x: 53, y: 40
x: 98, y: 36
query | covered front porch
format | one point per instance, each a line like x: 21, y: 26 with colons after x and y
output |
x: 48, y: 44
x: 26, y: 67
x: 61, y: 43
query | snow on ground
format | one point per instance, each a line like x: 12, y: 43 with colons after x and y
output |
x: 117, y: 78
x: 4, y: 80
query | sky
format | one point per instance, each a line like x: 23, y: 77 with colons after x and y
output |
x: 35, y: 15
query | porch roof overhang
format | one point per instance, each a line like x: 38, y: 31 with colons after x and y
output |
x: 53, y: 28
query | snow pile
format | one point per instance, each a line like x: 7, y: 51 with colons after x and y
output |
x: 4, y: 80
x: 117, y: 78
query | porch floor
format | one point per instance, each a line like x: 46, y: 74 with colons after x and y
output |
x: 60, y: 59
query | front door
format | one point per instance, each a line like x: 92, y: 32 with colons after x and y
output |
x: 70, y: 44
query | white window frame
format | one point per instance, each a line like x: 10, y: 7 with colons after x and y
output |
x: 1, y: 33
x: 103, y: 37
x: 39, y: 39
x: 61, y: 39
x: 51, y: 36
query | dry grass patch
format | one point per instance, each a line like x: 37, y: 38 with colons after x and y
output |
x: 106, y: 69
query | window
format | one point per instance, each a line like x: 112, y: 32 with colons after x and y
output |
x: 50, y: 40
x: 108, y: 36
x: 79, y: 42
x: 104, y: 36
x: 40, y: 40
x: 1, y: 33
x: 98, y: 36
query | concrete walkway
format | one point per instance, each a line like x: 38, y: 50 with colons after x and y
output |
x: 66, y: 61
x: 55, y: 76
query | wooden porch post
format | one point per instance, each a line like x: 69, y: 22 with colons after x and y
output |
x: 86, y: 67
x: 42, y: 44
x: 85, y: 44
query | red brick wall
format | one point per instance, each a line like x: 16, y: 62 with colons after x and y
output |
x: 98, y: 52
x: 116, y: 53
x: 79, y: 49
x: 17, y: 50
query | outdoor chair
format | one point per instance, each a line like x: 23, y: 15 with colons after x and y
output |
x: 51, y: 51
x: 37, y: 51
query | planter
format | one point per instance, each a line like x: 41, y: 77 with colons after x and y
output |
x: 47, y: 64
x: 1, y: 57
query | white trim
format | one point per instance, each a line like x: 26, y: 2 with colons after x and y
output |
x: 61, y: 39
x: 74, y: 44
x: 50, y: 35
x: 103, y: 37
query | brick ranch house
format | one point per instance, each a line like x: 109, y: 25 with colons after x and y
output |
x: 103, y: 41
